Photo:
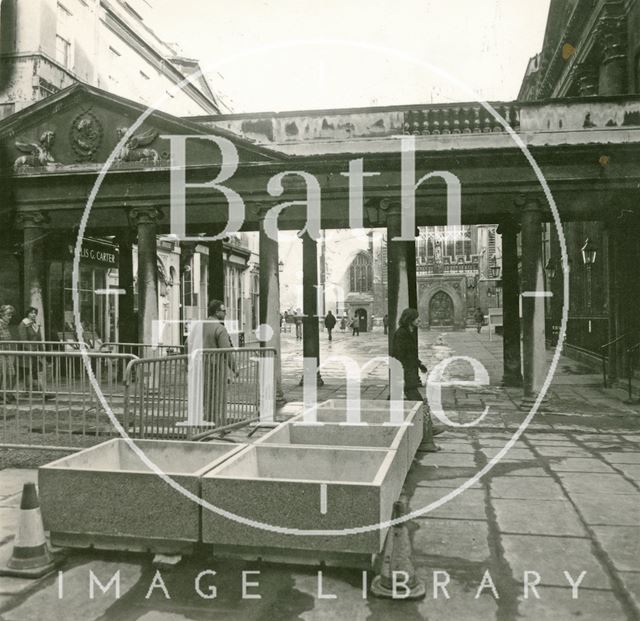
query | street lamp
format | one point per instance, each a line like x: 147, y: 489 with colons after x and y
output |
x: 589, y: 253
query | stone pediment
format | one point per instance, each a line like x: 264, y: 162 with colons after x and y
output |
x: 81, y: 126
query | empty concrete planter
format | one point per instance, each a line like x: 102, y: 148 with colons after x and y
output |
x: 389, y: 437
x: 283, y: 486
x: 106, y: 497
x: 372, y: 414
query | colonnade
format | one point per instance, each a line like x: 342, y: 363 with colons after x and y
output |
x: 527, y: 369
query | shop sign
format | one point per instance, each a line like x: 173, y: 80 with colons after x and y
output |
x: 95, y: 252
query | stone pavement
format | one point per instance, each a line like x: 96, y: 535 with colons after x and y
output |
x: 563, y: 501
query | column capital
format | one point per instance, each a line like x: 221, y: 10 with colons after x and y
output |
x: 528, y: 202
x: 611, y: 32
x: 31, y: 220
x: 145, y: 215
x: 510, y: 226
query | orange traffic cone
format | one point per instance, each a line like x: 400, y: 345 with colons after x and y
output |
x: 397, y: 578
x: 31, y: 556
x: 427, y: 445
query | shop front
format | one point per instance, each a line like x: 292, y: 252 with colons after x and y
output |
x: 97, y: 285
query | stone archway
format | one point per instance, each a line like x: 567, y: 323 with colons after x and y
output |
x: 441, y: 311
x: 363, y: 317
x: 441, y: 303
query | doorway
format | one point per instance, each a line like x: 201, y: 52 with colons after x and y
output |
x: 441, y: 310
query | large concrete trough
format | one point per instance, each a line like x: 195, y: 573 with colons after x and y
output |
x: 106, y: 497
x: 372, y: 414
x: 302, y: 487
x: 389, y: 437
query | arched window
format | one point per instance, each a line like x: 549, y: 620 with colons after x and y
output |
x: 361, y: 274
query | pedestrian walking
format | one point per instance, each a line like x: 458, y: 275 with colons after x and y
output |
x: 343, y: 323
x: 478, y: 317
x: 404, y: 348
x: 29, y: 332
x: 355, y: 326
x: 385, y: 324
x: 330, y: 323
x: 7, y: 363
x: 298, y: 320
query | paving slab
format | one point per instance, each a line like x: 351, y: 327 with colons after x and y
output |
x: 347, y: 604
x: 622, y: 545
x: 451, y: 460
x: 563, y: 451
x: 538, y: 517
x: 526, y: 487
x: 451, y: 538
x: 12, y: 480
x: 622, y: 457
x: 550, y: 556
x: 76, y: 604
x: 557, y: 604
x: 588, y: 483
x: 631, y: 582
x: 462, y: 604
x: 632, y: 471
x: 580, y: 464
x: 468, y: 505
x: 448, y: 483
x: 612, y: 509
x: 529, y: 471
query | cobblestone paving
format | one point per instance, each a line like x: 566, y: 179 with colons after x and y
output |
x: 563, y: 501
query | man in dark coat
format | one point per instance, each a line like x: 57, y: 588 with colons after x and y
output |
x: 330, y: 323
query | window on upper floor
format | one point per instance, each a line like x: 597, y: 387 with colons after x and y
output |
x: 63, y: 51
x: 63, y: 35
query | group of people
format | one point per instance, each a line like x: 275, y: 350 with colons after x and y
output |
x: 29, y: 335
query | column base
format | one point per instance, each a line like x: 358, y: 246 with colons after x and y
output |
x: 528, y: 402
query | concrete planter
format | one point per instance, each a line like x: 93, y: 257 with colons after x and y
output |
x: 372, y: 414
x: 390, y: 437
x: 282, y: 486
x: 106, y: 497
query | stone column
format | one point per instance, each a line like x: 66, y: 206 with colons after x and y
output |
x: 33, y: 234
x: 512, y: 370
x: 311, y: 327
x: 611, y: 241
x: 270, y: 303
x: 612, y: 35
x: 401, y: 272
x: 533, y: 302
x: 215, y: 272
x: 145, y: 219
x: 126, y: 317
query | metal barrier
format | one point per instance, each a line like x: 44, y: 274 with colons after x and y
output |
x: 142, y: 350
x: 44, y: 345
x: 631, y: 352
x: 194, y: 396
x: 47, y: 399
x: 604, y: 356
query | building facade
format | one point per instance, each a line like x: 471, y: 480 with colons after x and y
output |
x: 592, y: 48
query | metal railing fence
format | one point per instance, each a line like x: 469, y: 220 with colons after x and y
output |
x: 193, y: 396
x: 47, y: 398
